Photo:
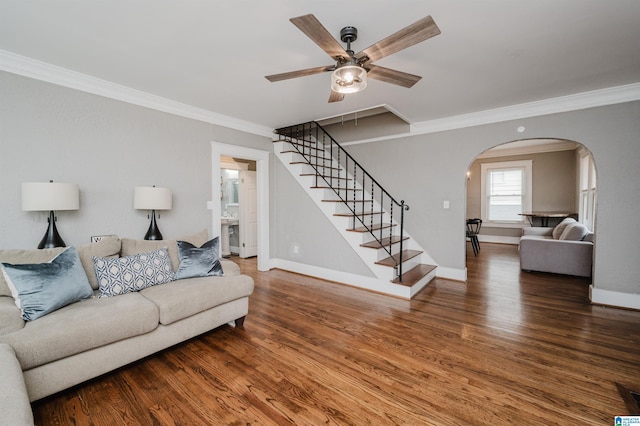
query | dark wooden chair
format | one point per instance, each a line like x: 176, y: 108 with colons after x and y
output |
x: 473, y: 229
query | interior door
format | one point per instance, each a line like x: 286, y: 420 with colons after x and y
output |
x: 248, y: 201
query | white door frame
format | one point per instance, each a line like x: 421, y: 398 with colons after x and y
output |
x: 262, y: 172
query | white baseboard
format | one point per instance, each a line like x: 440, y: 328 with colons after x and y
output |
x: 452, y: 273
x: 498, y: 239
x: 369, y: 283
x: 614, y: 298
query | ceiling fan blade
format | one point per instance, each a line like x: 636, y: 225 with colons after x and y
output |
x: 415, y: 33
x: 299, y: 73
x: 310, y: 25
x: 336, y: 96
x: 388, y: 75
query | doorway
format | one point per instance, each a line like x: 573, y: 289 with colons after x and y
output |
x: 260, y: 235
x: 562, y: 179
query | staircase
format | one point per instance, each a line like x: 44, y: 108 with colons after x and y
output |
x: 366, y: 215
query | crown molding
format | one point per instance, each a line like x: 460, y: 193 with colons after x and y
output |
x: 554, y: 145
x: 28, y: 67
x: 584, y: 100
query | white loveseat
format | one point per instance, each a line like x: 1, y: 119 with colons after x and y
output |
x: 96, y: 335
x: 565, y: 249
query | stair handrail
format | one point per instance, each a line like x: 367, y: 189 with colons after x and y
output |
x: 321, y: 165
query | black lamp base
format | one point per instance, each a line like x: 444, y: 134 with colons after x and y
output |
x: 153, y: 233
x: 51, y: 238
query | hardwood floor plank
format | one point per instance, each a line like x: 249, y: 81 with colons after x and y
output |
x: 507, y: 347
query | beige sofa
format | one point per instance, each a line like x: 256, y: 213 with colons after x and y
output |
x: 94, y: 336
x: 565, y: 249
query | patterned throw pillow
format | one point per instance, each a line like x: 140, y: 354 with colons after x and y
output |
x: 133, y: 273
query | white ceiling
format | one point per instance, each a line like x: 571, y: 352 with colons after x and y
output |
x: 214, y: 55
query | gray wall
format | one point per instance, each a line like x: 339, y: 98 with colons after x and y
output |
x: 107, y: 147
x: 554, y: 185
x: 425, y: 170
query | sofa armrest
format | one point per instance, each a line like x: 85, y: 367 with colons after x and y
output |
x: 537, y: 230
x: 14, y: 400
x: 556, y: 256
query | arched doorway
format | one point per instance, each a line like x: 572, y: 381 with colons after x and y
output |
x: 551, y: 175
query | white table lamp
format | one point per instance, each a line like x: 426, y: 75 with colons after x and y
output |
x: 152, y: 198
x: 50, y: 196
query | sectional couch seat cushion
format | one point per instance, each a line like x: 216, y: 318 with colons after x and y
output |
x: 176, y: 300
x: 82, y: 326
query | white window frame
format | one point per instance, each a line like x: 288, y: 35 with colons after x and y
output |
x: 527, y: 188
x: 587, y: 190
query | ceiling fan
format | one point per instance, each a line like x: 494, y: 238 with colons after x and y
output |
x: 349, y: 74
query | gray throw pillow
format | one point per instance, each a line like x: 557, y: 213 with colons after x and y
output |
x: 122, y: 275
x: 41, y: 288
x: 199, y: 261
x: 559, y: 229
x: 574, y: 232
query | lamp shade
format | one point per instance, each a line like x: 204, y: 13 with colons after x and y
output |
x: 151, y: 198
x: 50, y: 196
x: 349, y: 79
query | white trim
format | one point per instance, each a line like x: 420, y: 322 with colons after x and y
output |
x: 451, y: 273
x: 591, y: 99
x: 262, y: 170
x: 43, y: 71
x: 614, y: 298
x: 529, y: 149
x: 499, y: 239
x: 527, y: 198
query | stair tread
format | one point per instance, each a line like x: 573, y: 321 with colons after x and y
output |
x: 392, y: 260
x: 375, y: 227
x: 317, y: 165
x: 291, y: 141
x: 340, y: 201
x: 350, y: 214
x: 305, y: 155
x: 375, y: 244
x: 325, y: 176
x: 337, y: 189
x: 411, y: 277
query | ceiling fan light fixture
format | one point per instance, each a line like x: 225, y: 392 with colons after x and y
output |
x: 349, y: 79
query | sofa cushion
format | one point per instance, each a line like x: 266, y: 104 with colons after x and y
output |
x: 184, y: 298
x: 559, y: 228
x: 574, y: 232
x: 41, y: 288
x: 199, y: 261
x: 107, y: 247
x: 14, y: 399
x: 133, y: 273
x: 21, y: 256
x: 131, y: 246
x: 230, y: 268
x: 82, y: 326
x: 10, y: 318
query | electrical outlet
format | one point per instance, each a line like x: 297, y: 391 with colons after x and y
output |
x: 96, y: 238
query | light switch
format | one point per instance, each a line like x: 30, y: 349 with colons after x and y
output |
x: 445, y: 204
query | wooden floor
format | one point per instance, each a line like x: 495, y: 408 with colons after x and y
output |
x: 508, y: 348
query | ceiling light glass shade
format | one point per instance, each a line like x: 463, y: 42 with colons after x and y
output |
x: 152, y: 198
x: 349, y: 79
x: 50, y: 196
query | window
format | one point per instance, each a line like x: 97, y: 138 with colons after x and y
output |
x: 506, y: 192
x: 587, y: 206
